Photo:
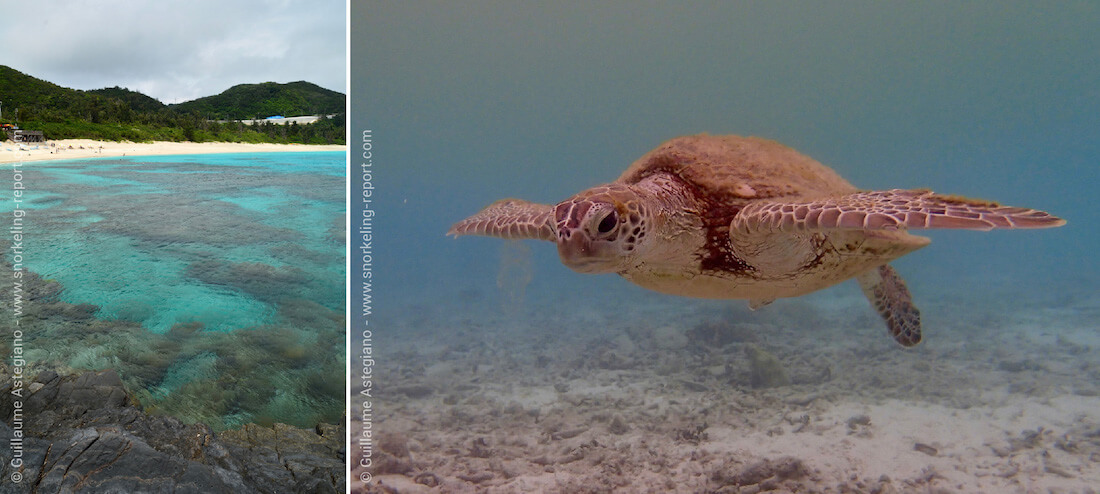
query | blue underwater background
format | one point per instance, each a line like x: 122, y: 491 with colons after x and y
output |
x: 480, y: 341
x: 992, y: 100
x: 213, y: 284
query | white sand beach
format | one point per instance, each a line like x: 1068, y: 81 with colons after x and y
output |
x: 87, y: 148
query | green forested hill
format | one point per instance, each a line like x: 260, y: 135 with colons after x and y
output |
x: 121, y: 114
x: 25, y: 97
x: 136, y: 100
x: 249, y: 101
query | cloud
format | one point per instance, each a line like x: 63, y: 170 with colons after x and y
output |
x: 177, y: 51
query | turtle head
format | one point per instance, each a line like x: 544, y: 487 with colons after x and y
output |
x: 601, y: 229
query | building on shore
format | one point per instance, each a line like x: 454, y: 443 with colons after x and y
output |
x: 26, y: 136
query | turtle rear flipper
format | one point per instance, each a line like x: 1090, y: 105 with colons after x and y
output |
x: 896, y: 209
x: 888, y: 294
x: 511, y: 219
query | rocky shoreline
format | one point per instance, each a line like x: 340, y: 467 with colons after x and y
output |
x: 85, y: 432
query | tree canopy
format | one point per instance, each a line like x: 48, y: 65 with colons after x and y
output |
x: 121, y: 114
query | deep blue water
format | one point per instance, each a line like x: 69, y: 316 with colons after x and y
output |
x: 224, y: 271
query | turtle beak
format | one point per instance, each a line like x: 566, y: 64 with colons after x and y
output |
x: 573, y: 248
x: 581, y: 255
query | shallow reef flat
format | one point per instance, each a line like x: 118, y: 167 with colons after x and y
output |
x: 286, y: 371
x: 644, y: 393
x: 213, y: 285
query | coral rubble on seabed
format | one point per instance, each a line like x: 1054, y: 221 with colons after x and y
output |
x: 676, y: 395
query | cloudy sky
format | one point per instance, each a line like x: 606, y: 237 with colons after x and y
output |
x: 178, y: 51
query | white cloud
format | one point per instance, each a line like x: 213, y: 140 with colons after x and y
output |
x: 176, y: 51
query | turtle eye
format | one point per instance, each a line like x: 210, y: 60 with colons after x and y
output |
x: 608, y: 223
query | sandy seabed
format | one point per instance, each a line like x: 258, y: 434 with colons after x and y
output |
x: 86, y: 148
x: 674, y: 395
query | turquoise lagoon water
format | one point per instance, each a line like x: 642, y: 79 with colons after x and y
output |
x: 177, y: 257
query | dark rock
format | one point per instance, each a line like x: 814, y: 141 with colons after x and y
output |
x: 568, y: 433
x: 766, y: 369
x: 427, y: 478
x: 480, y: 448
x: 287, y: 458
x: 618, y: 426
x: 45, y: 377
x: 111, y: 460
x: 414, y: 390
x: 777, y: 469
x: 385, y: 463
x: 83, y: 433
x: 855, y: 421
x: 395, y: 444
x: 926, y: 449
x: 694, y: 434
x: 476, y: 478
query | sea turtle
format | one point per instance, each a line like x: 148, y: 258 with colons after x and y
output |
x: 731, y: 217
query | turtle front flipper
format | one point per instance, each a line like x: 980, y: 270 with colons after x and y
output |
x: 888, y: 294
x: 511, y: 219
x: 889, y: 210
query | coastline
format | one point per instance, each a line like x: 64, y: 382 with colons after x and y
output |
x: 66, y: 149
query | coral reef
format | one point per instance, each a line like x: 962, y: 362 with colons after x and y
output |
x: 286, y: 372
x: 262, y: 281
x: 212, y: 303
